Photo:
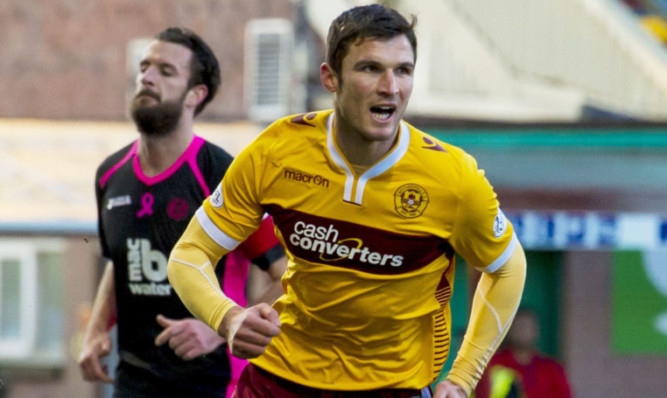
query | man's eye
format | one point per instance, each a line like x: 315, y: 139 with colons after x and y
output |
x: 404, y: 71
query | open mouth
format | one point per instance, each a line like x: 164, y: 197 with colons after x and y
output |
x: 382, y: 112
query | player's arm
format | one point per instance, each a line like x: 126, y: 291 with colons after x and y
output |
x: 191, y: 273
x: 189, y: 338
x: 268, y: 264
x: 265, y: 286
x: 96, y: 340
x: 495, y: 303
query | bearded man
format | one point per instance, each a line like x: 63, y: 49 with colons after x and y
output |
x: 146, y: 194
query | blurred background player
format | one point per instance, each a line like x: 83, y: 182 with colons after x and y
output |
x: 371, y: 211
x: 146, y: 194
x: 519, y: 370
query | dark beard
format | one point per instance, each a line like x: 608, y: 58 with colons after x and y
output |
x: 157, y: 120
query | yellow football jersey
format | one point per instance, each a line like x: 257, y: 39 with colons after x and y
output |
x: 370, y: 274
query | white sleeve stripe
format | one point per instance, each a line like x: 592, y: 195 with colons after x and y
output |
x: 501, y: 333
x: 493, y: 310
x: 201, y: 270
x: 214, y: 232
x: 504, y: 256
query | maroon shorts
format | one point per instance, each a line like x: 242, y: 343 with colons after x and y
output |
x: 258, y: 383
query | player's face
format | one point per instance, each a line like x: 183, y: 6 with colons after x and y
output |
x: 162, y: 86
x: 524, y: 332
x: 164, y: 71
x: 374, y: 88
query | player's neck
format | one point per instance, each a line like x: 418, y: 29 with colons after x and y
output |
x: 359, y: 151
x: 157, y: 153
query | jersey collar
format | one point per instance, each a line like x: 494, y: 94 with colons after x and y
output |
x: 354, y: 186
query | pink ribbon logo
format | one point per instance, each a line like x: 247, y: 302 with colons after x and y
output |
x: 147, y: 201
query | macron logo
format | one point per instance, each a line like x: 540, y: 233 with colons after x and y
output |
x: 305, y: 178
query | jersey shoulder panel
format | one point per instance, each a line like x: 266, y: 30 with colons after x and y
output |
x: 287, y: 136
x: 300, y: 122
x: 435, y: 146
x: 112, y: 161
x: 438, y: 162
x: 294, y: 127
x: 213, y: 161
x: 254, y: 169
x: 458, y: 167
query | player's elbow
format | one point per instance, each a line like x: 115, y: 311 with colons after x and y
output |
x: 516, y: 265
x: 172, y: 275
x: 175, y: 266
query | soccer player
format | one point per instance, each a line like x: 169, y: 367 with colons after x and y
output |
x: 371, y: 212
x: 146, y: 194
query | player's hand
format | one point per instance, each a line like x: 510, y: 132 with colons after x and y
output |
x: 249, y: 330
x: 448, y: 389
x: 189, y: 337
x: 96, y: 345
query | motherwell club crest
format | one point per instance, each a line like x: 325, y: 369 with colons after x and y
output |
x: 410, y: 200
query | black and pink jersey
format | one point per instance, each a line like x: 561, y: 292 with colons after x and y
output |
x: 140, y: 220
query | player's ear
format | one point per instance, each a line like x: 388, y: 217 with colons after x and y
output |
x: 196, y: 95
x: 328, y: 77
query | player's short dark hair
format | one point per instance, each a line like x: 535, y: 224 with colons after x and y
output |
x: 373, y: 21
x: 204, y: 67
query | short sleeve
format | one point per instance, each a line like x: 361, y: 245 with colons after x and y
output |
x: 482, y: 234
x: 233, y: 212
x: 99, y: 196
